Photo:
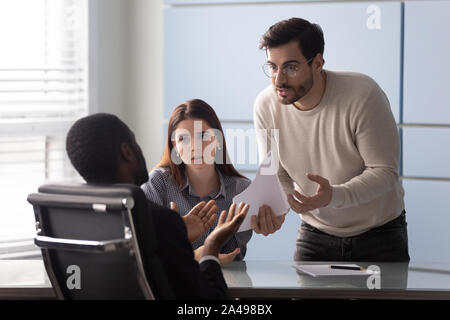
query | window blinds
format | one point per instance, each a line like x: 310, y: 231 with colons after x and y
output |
x: 43, y: 89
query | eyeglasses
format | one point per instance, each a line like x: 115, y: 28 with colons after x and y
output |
x: 290, y: 69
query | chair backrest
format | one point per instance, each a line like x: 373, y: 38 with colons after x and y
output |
x: 98, y: 242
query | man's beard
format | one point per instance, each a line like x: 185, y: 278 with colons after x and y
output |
x: 299, y: 92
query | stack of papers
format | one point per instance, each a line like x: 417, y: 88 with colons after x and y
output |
x: 264, y: 190
x: 319, y: 270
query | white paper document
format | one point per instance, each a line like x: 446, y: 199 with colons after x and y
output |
x: 319, y: 270
x: 264, y: 190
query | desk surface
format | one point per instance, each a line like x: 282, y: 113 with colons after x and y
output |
x: 279, y: 279
x: 24, y: 279
x: 270, y: 279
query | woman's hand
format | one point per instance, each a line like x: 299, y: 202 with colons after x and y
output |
x: 199, y: 219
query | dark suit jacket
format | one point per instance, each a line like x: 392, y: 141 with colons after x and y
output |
x: 186, y: 277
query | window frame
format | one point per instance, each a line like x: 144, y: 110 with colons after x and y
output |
x: 23, y: 247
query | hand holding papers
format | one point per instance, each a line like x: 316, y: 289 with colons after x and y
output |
x: 264, y: 190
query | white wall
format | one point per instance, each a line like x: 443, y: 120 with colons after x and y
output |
x: 145, y: 78
x: 126, y: 53
x: 107, y: 34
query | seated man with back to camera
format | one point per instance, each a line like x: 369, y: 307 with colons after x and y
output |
x: 104, y: 151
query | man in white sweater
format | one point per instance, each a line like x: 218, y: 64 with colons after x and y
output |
x: 338, y: 149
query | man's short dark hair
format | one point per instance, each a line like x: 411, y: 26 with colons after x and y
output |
x: 93, y: 145
x: 308, y: 35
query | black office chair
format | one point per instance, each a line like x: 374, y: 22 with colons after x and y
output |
x: 92, y: 242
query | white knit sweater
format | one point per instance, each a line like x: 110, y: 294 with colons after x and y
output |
x: 351, y: 139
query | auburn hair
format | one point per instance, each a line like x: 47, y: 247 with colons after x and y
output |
x: 193, y: 109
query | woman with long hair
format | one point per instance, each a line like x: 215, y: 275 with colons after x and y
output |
x: 195, y: 175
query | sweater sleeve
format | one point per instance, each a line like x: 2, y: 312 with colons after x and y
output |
x: 378, y: 143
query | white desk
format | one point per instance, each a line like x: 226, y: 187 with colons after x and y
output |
x: 24, y: 279
x: 27, y: 279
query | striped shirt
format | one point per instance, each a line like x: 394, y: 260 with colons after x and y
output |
x: 162, y: 189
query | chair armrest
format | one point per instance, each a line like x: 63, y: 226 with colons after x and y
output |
x: 82, y: 245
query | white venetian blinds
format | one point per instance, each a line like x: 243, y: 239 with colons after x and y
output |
x: 43, y: 89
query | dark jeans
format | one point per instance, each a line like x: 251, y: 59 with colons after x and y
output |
x: 386, y: 243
